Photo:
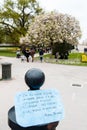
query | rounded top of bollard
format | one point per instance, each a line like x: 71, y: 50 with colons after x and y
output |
x: 34, y: 78
x: 6, y: 63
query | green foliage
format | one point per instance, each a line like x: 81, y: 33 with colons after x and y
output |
x: 63, y: 49
x: 16, y: 16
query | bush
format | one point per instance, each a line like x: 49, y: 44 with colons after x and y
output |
x: 63, y: 48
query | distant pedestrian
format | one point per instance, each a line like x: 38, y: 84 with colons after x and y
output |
x: 56, y: 56
x: 41, y: 53
x: 27, y: 54
x: 32, y: 53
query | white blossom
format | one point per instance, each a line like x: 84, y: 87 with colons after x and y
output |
x: 54, y: 27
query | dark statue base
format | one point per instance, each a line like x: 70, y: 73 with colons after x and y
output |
x: 14, y: 125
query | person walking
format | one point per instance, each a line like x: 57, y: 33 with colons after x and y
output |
x: 32, y: 53
x: 41, y: 53
x: 57, y: 56
x: 27, y: 54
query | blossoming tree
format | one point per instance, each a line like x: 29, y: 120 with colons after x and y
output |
x: 54, y: 29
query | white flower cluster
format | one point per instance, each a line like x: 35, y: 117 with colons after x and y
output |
x: 54, y: 27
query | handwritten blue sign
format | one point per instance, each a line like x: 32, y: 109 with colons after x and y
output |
x: 38, y: 107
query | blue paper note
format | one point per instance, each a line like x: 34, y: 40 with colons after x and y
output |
x: 38, y: 107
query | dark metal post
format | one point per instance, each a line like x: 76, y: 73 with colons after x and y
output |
x: 34, y: 78
x: 6, y: 71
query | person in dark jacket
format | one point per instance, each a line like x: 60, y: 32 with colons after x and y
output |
x: 41, y: 53
x: 27, y: 54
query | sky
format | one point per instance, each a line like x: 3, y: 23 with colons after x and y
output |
x: 76, y: 8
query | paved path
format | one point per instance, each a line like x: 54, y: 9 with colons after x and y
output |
x: 62, y: 77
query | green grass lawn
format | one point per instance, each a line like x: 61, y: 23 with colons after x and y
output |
x: 73, y: 59
x: 8, y: 51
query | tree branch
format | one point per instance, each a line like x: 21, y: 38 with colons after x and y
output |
x: 3, y: 23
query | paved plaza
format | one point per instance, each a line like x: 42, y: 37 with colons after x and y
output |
x: 71, y: 81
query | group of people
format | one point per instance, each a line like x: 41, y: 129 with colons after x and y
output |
x: 29, y: 54
x: 26, y: 54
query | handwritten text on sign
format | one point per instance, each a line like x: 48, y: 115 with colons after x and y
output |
x: 38, y: 107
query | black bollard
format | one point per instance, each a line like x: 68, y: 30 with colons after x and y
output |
x: 6, y: 71
x: 34, y: 78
